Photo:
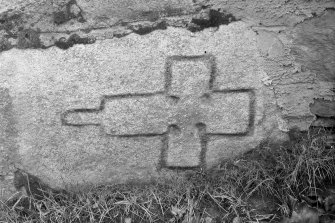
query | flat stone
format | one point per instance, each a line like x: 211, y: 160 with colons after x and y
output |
x: 134, y: 108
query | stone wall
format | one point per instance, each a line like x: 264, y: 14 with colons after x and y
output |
x: 96, y: 91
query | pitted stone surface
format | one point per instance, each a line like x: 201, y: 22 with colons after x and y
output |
x: 137, y: 107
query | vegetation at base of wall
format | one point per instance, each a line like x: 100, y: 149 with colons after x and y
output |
x: 263, y: 185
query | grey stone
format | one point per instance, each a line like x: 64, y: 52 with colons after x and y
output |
x: 136, y: 108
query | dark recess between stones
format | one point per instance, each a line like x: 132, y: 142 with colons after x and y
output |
x: 61, y: 17
x: 64, y: 44
x: 5, y: 45
x: 323, y: 108
x: 65, y: 14
x: 28, y: 38
x: 143, y: 30
x: 214, y: 18
x: 33, y: 186
x: 151, y: 15
x: 11, y: 24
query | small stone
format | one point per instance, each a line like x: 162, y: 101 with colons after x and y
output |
x: 61, y: 17
x: 208, y: 220
x: 75, y: 10
x: 236, y: 220
x: 127, y: 220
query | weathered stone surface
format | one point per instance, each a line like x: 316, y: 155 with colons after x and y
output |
x: 57, y: 19
x: 136, y: 108
x: 314, y: 45
x: 109, y: 105
x: 313, y: 48
x: 295, y: 60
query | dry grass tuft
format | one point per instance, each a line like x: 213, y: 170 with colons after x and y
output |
x: 270, y: 173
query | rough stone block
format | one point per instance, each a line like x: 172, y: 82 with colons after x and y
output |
x: 134, y: 108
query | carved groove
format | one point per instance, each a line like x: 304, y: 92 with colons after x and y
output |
x: 203, y: 135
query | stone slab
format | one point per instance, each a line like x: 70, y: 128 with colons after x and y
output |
x: 136, y: 107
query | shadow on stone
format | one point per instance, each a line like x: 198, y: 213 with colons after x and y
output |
x: 210, y: 18
x: 32, y: 186
x: 68, y: 12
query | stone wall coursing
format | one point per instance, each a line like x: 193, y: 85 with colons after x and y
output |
x: 295, y: 40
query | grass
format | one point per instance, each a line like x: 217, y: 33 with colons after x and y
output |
x: 256, y: 185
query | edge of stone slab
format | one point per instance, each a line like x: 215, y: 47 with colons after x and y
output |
x: 22, y: 184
